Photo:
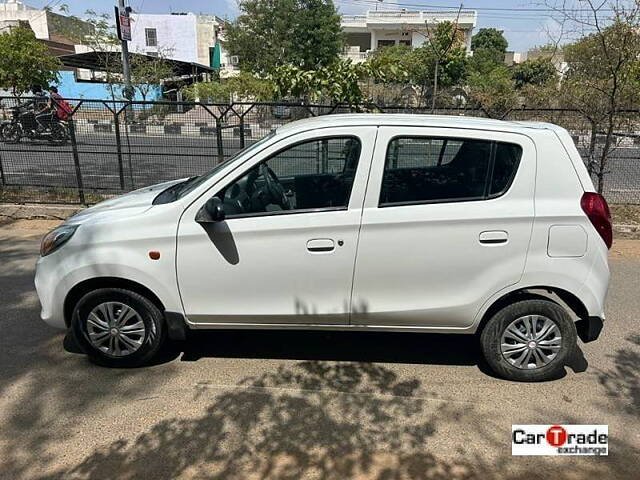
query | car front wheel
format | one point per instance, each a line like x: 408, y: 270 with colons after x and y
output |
x: 529, y: 340
x: 118, y: 327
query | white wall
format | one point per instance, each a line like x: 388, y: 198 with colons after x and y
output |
x: 417, y: 39
x: 18, y: 11
x: 177, y: 37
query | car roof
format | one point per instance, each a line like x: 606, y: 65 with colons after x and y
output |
x: 417, y: 120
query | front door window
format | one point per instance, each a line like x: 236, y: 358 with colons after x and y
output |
x: 311, y: 176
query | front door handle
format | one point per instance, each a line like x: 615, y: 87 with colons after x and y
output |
x: 493, y: 237
x: 321, y: 245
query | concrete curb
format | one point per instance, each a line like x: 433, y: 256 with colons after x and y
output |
x: 627, y: 229
x: 38, y: 212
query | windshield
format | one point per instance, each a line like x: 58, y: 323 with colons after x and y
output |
x: 179, y: 190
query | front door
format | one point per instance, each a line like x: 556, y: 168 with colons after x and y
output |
x: 285, y: 253
x: 446, y: 223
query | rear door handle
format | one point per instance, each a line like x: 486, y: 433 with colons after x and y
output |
x: 321, y: 245
x: 493, y: 237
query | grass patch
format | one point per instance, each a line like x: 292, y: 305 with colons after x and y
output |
x: 60, y: 195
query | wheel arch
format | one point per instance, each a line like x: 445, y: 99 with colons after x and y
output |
x: 86, y: 286
x: 562, y: 297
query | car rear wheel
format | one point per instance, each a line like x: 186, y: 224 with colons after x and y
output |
x: 529, y: 341
x: 118, y: 327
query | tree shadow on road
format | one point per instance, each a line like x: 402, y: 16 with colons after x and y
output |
x: 40, y: 384
x: 622, y: 382
x: 324, y: 420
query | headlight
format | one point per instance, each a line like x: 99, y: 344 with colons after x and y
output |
x: 56, y: 238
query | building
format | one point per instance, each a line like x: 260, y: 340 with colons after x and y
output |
x: 181, y: 36
x: 556, y: 58
x: 512, y: 58
x: 375, y: 29
x: 46, y: 25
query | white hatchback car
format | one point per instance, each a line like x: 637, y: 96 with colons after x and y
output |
x: 349, y: 222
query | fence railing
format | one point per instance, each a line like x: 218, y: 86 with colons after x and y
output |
x: 116, y: 146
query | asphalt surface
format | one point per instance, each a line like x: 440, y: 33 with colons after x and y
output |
x: 147, y: 159
x: 287, y: 405
x: 143, y: 160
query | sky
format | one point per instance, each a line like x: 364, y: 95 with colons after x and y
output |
x: 523, y: 28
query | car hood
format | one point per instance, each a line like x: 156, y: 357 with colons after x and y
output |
x: 131, y: 203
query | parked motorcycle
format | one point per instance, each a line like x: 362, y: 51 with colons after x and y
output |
x: 24, y: 124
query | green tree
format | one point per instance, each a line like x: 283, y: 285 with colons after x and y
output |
x: 244, y: 86
x: 440, y: 62
x: 601, y: 81
x: 539, y: 71
x: 25, y: 61
x: 483, y: 61
x: 493, y: 91
x: 491, y: 41
x: 396, y: 60
x: 340, y: 82
x: 270, y: 33
x: 97, y: 31
x: 148, y: 73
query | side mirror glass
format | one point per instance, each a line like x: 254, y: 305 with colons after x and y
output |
x: 212, y: 211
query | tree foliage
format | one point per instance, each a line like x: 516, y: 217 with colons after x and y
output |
x: 602, y: 80
x: 339, y: 82
x: 244, y: 86
x: 97, y: 32
x: 493, y: 91
x: 148, y: 73
x: 396, y: 60
x: 270, y: 33
x: 491, y: 42
x: 25, y: 61
x: 539, y: 71
x: 441, y: 60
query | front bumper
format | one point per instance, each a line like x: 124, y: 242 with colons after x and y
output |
x: 51, y: 292
x: 589, y: 328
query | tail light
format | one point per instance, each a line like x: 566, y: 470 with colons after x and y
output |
x: 596, y: 208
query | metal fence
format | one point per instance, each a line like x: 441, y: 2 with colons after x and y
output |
x: 118, y: 146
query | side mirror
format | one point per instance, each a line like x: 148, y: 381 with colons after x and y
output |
x: 212, y: 211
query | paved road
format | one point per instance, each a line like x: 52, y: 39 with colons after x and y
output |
x: 150, y: 159
x: 145, y: 160
x: 243, y: 405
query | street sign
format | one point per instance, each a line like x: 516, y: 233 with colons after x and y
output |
x: 123, y: 25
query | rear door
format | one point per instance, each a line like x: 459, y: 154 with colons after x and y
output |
x: 447, y: 221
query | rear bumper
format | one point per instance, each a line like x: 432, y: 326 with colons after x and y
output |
x: 589, y: 328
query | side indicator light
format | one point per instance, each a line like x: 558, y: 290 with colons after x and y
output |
x: 154, y: 255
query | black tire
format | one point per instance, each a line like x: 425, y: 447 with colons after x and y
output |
x: 150, y: 341
x: 491, y: 339
x: 12, y: 133
x: 59, y: 134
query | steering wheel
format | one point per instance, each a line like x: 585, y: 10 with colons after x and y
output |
x: 274, y: 187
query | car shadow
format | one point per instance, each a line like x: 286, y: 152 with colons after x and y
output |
x: 367, y: 347
x: 337, y: 346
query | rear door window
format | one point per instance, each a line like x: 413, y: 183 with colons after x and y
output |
x: 435, y: 170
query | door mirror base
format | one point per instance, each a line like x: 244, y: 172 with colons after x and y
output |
x: 211, y: 212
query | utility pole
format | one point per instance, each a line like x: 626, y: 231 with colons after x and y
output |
x: 124, y: 34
